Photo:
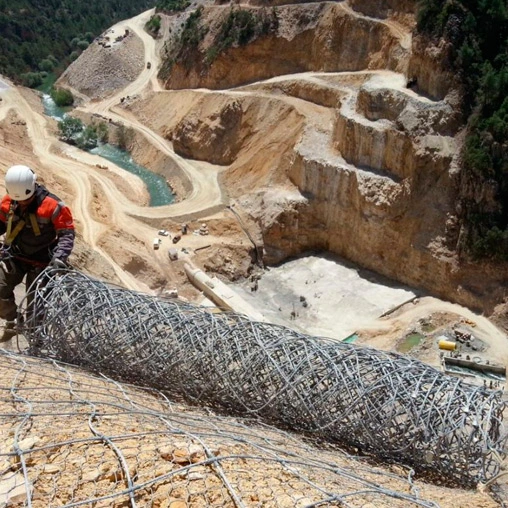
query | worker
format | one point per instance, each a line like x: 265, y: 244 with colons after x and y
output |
x: 39, y: 232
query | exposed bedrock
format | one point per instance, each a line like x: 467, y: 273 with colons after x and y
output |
x: 361, y: 161
x: 368, y: 218
x: 405, y: 231
x: 320, y: 37
x: 430, y: 67
x: 383, y: 149
x: 411, y: 113
x: 216, y: 138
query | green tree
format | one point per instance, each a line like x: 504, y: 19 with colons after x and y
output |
x: 88, y: 138
x: 171, y: 6
x: 70, y: 129
x: 62, y: 97
x: 30, y: 31
x: 46, y: 65
x: 32, y: 79
x: 477, y: 31
x: 153, y: 25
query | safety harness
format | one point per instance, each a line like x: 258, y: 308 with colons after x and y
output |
x: 11, y: 234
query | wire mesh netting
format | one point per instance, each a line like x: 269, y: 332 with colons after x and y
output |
x: 392, y: 406
x: 71, y: 438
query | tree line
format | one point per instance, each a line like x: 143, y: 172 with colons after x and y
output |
x: 38, y: 37
x: 477, y: 31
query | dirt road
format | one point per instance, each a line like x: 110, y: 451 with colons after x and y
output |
x: 121, y: 210
x: 79, y: 171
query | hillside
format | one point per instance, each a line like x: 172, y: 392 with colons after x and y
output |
x: 357, y: 162
x: 353, y: 163
x: 369, y: 166
x: 43, y: 37
x: 340, y: 157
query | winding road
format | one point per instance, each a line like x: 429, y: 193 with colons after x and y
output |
x: 78, y: 168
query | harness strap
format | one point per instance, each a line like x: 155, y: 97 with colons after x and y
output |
x: 10, y: 215
x: 35, y: 225
x: 11, y: 234
x: 31, y: 261
x: 19, y: 226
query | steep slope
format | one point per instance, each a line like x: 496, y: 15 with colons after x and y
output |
x: 342, y: 133
x: 319, y: 160
x: 320, y: 36
x: 367, y: 167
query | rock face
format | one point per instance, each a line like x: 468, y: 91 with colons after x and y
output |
x: 320, y: 36
x: 357, y: 153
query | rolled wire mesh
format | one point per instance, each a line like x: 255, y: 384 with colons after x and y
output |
x: 70, y: 438
x: 382, y: 403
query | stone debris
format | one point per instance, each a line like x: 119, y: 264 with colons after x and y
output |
x: 99, y: 73
x: 13, y: 490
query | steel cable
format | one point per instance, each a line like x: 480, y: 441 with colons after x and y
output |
x: 382, y: 403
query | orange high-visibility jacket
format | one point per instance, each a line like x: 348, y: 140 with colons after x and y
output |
x: 46, y: 229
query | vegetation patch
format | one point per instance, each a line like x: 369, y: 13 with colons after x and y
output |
x: 153, y: 26
x: 37, y: 38
x: 172, y: 6
x: 478, y: 33
x: 238, y: 28
x: 75, y: 132
x: 62, y: 97
x: 188, y: 40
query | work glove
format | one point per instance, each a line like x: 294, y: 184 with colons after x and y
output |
x: 57, y: 264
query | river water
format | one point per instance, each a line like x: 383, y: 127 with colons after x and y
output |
x: 160, y: 193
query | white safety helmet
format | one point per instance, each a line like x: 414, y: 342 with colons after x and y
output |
x: 20, y: 182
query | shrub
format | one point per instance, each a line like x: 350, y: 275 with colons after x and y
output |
x: 32, y: 79
x: 172, y: 5
x: 153, y: 25
x: 192, y: 33
x: 493, y: 244
x: 62, y: 97
x: 241, y: 27
x: 86, y: 137
x: 70, y: 129
x: 46, y: 65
